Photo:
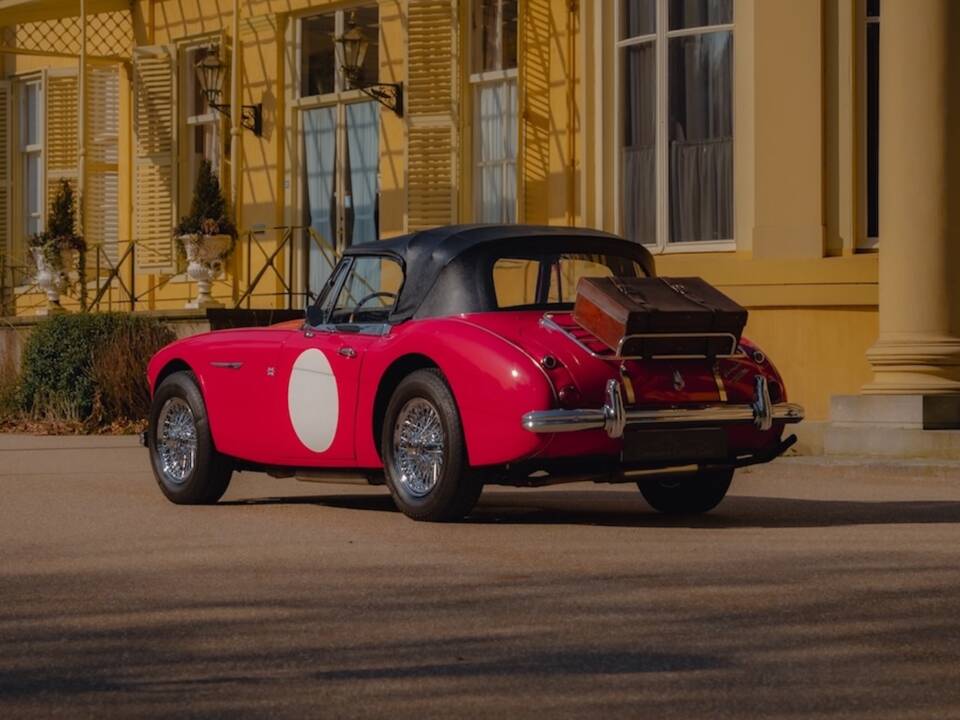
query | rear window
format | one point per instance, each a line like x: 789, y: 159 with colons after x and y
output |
x: 552, y: 280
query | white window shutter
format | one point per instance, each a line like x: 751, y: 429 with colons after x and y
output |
x: 6, y: 218
x: 62, y: 146
x: 432, y: 101
x: 155, y: 153
x: 102, y: 188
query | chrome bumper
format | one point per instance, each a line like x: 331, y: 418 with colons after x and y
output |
x: 614, y: 418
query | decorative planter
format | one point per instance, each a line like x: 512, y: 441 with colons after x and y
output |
x: 51, y: 280
x: 205, y: 256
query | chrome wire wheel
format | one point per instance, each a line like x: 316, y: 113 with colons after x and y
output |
x: 419, y: 445
x: 176, y: 441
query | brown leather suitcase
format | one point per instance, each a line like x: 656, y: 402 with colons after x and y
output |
x: 659, y: 317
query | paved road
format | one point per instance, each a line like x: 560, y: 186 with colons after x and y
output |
x: 814, y: 592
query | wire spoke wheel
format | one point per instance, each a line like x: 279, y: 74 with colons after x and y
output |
x: 419, y: 445
x: 176, y: 441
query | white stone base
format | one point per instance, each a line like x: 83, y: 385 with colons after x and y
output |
x: 203, y: 304
x: 904, y: 426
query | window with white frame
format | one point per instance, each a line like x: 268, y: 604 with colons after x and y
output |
x: 872, y: 116
x: 202, y: 123
x: 340, y: 130
x: 675, y: 101
x: 31, y: 133
x: 494, y: 79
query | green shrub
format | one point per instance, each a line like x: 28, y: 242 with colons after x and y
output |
x: 73, y: 365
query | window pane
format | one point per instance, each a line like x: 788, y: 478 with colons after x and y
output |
x: 368, y: 20
x: 485, y: 36
x: 638, y: 17
x: 318, y: 62
x: 370, y: 292
x: 197, y: 99
x: 517, y: 281
x: 496, y: 151
x: 873, y: 8
x: 638, y: 151
x: 34, y: 194
x: 873, y: 128
x: 509, y: 41
x: 701, y: 137
x: 31, y: 101
x: 697, y: 13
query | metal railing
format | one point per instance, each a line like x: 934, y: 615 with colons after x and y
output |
x: 112, y: 280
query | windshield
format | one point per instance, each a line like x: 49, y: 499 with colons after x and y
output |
x: 551, y: 280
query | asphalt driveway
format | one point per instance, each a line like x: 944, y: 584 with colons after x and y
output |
x: 815, y: 591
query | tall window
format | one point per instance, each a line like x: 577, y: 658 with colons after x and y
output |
x: 31, y: 153
x: 341, y: 138
x: 873, y: 121
x: 494, y: 79
x: 676, y: 136
x: 202, y: 124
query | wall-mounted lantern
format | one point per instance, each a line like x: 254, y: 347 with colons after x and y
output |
x: 211, y: 73
x: 352, y: 49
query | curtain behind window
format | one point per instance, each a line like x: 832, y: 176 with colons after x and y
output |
x: 639, y: 152
x: 701, y: 137
x: 363, y: 143
x: 320, y: 147
x: 497, y: 152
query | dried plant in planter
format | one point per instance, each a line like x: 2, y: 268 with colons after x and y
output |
x: 206, y: 236
x: 55, y: 248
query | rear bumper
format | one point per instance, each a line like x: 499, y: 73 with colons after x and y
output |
x: 614, y: 418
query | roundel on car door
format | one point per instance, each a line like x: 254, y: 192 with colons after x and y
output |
x: 313, y: 401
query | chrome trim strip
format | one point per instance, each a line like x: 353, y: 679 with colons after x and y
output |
x: 548, y: 322
x: 614, y: 419
x: 233, y: 365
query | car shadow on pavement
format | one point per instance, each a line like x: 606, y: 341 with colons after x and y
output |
x: 623, y: 509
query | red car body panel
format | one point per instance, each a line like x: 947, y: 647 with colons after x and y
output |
x: 492, y: 362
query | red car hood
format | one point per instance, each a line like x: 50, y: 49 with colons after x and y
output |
x: 654, y: 382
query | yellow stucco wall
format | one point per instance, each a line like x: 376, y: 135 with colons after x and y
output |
x: 797, y: 158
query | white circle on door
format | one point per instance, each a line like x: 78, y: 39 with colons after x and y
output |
x: 313, y: 401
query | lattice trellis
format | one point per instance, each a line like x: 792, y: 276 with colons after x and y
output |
x: 109, y: 34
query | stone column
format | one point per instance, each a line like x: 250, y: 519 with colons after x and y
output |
x: 918, y: 349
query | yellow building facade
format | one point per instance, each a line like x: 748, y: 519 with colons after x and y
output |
x: 738, y: 138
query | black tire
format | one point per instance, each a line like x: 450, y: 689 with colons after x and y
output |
x: 206, y: 481
x: 456, y: 488
x: 688, y: 496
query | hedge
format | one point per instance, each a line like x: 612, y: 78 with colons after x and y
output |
x: 90, y: 366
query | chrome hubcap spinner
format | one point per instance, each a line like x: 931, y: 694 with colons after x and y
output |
x: 419, y: 444
x: 176, y: 441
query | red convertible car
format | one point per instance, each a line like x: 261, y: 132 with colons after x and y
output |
x: 448, y: 359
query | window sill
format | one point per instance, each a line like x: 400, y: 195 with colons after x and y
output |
x: 702, y: 246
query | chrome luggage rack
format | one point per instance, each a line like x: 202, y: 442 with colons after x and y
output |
x: 591, y: 344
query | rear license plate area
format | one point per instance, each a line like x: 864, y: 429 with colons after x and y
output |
x: 686, y: 444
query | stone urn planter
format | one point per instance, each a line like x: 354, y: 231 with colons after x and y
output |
x: 51, y: 279
x: 205, y: 258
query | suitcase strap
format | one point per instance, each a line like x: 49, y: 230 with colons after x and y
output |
x: 631, y: 293
x: 684, y: 291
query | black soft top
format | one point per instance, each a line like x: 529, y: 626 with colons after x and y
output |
x: 447, y: 269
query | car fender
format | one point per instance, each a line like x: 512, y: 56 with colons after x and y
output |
x: 493, y: 381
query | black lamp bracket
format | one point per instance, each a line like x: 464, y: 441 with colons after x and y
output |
x: 251, y: 116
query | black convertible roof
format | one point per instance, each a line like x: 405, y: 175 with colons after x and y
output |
x: 445, y: 267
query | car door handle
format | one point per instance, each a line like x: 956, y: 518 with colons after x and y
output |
x: 348, y: 352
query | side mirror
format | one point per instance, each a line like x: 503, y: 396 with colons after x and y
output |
x: 314, y: 315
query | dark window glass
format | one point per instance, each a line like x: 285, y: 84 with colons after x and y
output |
x: 494, y: 35
x: 700, y: 126
x: 318, y: 61
x: 699, y: 13
x: 637, y: 18
x: 638, y: 186
x: 509, y: 43
x: 873, y: 128
x: 368, y: 20
x: 873, y: 8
